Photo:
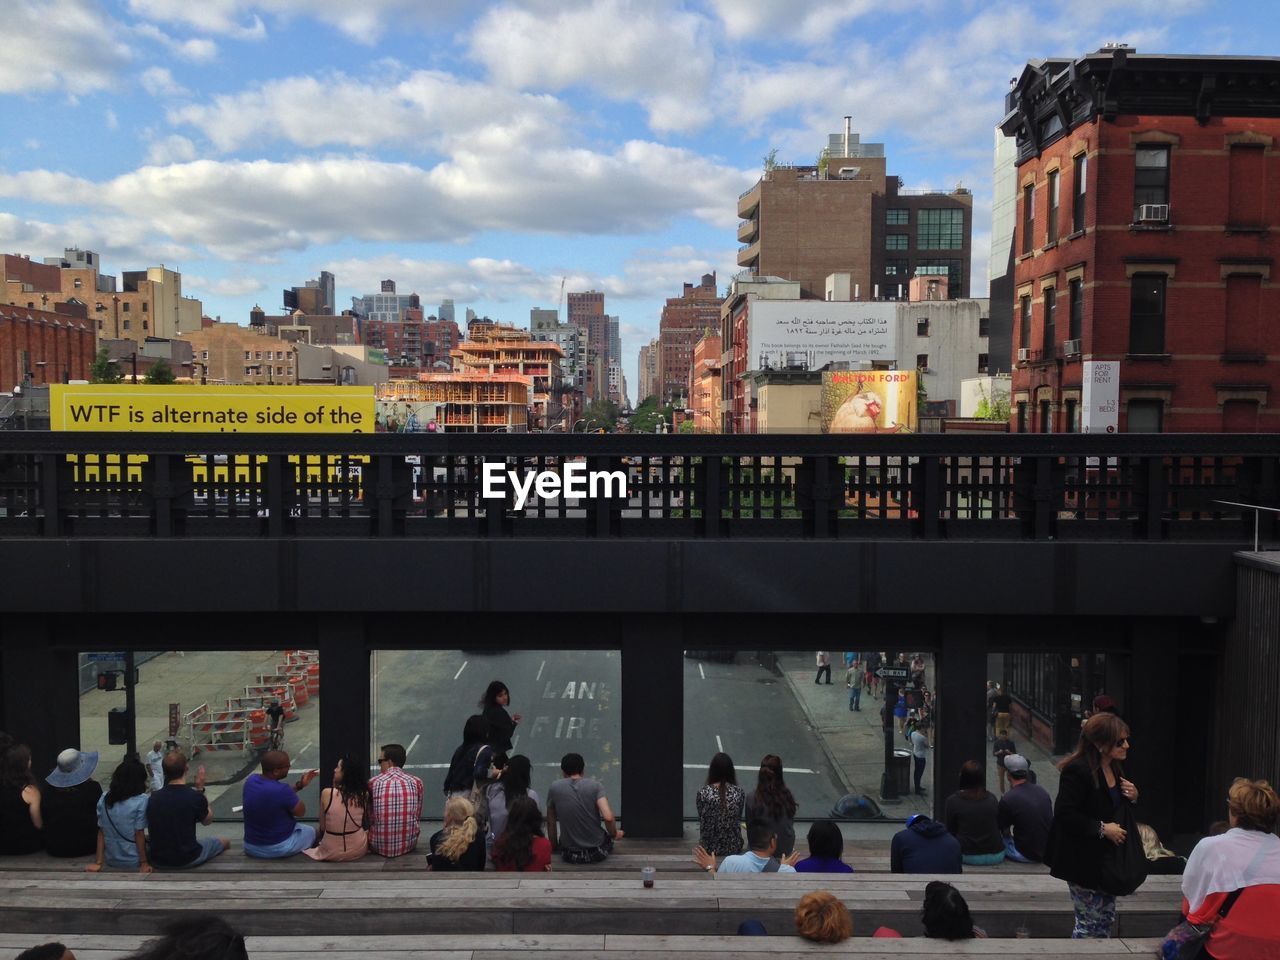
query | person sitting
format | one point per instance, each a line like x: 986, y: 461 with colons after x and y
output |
x: 512, y: 782
x: 194, y: 938
x: 47, y: 951
x: 272, y: 808
x: 471, y: 760
x: 21, y: 823
x: 924, y: 846
x: 946, y: 915
x: 343, y: 812
x: 122, y: 820
x: 822, y: 918
x: 397, y: 805
x: 521, y: 846
x: 826, y: 843
x: 761, y: 855
x: 720, y: 805
x: 1244, y: 862
x: 172, y: 815
x: 1160, y: 861
x: 576, y: 810
x: 460, y: 845
x: 772, y: 800
x: 972, y: 816
x: 1024, y: 814
x: 69, y: 805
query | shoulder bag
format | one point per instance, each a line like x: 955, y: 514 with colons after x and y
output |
x: 1186, y: 941
x: 1124, y: 867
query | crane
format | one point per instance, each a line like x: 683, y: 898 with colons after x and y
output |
x: 560, y: 300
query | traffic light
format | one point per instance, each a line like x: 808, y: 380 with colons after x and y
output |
x: 107, y: 680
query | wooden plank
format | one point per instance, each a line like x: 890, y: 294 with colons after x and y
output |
x: 917, y: 946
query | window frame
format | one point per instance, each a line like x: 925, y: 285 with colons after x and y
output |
x: 940, y: 228
x: 1051, y: 211
x: 1153, y: 192
x: 1024, y: 322
x: 1080, y: 190
x: 1141, y: 339
x: 1075, y: 308
x: 1028, y: 218
x: 1145, y: 403
x: 897, y: 217
x: 1049, y: 322
x: 897, y: 242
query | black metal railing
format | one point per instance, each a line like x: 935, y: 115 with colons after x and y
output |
x: 933, y: 487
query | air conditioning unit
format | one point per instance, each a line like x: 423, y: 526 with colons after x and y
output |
x: 1071, y: 348
x: 1024, y: 354
x: 1153, y: 213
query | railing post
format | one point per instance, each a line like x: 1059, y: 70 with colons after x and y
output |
x: 50, y: 464
x: 1043, y: 497
x: 815, y: 483
x: 1153, y: 487
x: 273, y: 491
x: 709, y: 493
x: 156, y: 475
x: 388, y: 490
x: 930, y: 488
x: 599, y: 513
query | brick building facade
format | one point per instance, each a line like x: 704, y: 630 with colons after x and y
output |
x: 684, y: 320
x: 1148, y: 188
x: 43, y: 346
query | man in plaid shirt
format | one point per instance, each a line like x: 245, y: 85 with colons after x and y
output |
x: 397, y: 805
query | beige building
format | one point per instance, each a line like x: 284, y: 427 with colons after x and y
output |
x: 648, y: 381
x: 226, y: 353
x: 788, y: 401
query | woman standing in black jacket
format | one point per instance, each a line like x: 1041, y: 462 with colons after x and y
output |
x: 502, y: 725
x: 1091, y: 791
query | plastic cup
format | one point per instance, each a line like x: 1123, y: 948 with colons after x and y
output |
x: 647, y: 874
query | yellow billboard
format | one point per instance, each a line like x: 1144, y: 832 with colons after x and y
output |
x: 199, y: 408
x: 869, y: 401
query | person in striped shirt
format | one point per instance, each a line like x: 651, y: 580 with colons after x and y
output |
x: 396, y: 806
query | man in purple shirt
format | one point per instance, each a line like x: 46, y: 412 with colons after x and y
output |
x: 272, y: 808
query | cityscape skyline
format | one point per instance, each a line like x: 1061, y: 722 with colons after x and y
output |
x: 487, y: 155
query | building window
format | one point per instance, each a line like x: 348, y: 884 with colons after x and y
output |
x: 1075, y: 300
x: 922, y: 327
x: 984, y: 362
x: 125, y: 307
x: 895, y: 241
x: 1072, y: 409
x: 1150, y: 177
x: 897, y: 217
x: 1028, y: 217
x: 1022, y: 416
x: 1146, y: 416
x: 951, y: 269
x: 248, y: 371
x: 1024, y: 323
x: 1051, y: 232
x: 247, y: 356
x: 257, y: 355
x: 78, y: 283
x: 1046, y: 417
x: 144, y: 307
x: 99, y: 323
x: 1079, y: 184
x: 895, y: 268
x: 922, y: 361
x: 204, y: 354
x: 1146, y: 313
x: 940, y: 230
x: 1050, y: 322
x: 984, y: 326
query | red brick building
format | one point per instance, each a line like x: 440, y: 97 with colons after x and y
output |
x: 44, y: 346
x: 1148, y: 197
x: 684, y: 321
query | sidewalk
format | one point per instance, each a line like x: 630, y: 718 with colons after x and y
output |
x: 191, y: 678
x: 854, y: 741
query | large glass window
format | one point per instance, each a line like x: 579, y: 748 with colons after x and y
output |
x: 568, y: 701
x: 897, y: 217
x: 1146, y: 313
x: 829, y: 735
x: 1150, y: 176
x: 940, y: 229
x: 952, y: 269
x: 212, y: 705
x: 895, y: 241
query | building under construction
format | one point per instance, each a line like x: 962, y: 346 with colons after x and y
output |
x: 474, y: 402
x: 498, y: 350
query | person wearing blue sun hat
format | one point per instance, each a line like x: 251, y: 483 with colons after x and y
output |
x: 69, y: 805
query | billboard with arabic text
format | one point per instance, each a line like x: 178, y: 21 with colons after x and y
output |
x: 820, y: 331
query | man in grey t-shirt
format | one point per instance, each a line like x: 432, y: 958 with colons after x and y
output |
x: 580, y: 822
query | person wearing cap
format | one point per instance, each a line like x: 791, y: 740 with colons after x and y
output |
x: 924, y: 846
x: 1025, y: 813
x: 69, y: 805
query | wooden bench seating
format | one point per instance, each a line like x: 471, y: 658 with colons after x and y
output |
x: 606, y: 947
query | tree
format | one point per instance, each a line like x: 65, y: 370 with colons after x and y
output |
x: 103, y: 370
x: 160, y: 373
x: 823, y: 157
x: 993, y: 408
x: 770, y: 159
x: 604, y: 413
x: 686, y: 426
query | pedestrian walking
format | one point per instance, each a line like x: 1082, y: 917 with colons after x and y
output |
x: 873, y: 661
x: 824, y: 666
x: 155, y: 766
x: 993, y: 691
x: 853, y: 680
x: 1093, y: 804
x: 920, y: 752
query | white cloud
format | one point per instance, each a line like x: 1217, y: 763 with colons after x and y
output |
x: 364, y: 21
x: 195, y: 50
x: 69, y: 45
x: 171, y: 149
x: 194, y: 285
x: 657, y: 55
x: 249, y: 209
x: 223, y: 17
x: 807, y: 20
x: 159, y: 82
x: 113, y: 122
x: 427, y: 109
x: 467, y: 281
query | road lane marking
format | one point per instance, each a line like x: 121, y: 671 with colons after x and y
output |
x: 460, y: 669
x: 703, y: 766
x: 540, y: 669
x: 413, y: 742
x: 719, y: 745
x: 702, y: 672
x: 305, y: 749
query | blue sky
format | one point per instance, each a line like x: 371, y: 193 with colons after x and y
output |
x: 484, y: 151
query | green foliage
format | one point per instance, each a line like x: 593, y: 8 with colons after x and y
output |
x: 823, y: 157
x: 604, y: 413
x: 993, y: 408
x: 771, y: 159
x: 686, y: 426
x: 160, y: 373
x: 647, y: 416
x: 102, y: 370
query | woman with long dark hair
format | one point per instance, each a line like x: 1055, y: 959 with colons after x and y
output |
x: 502, y: 725
x: 122, y: 820
x: 20, y: 817
x: 459, y: 845
x: 720, y: 805
x: 522, y: 845
x: 343, y: 814
x: 972, y: 817
x: 1091, y: 792
x: 512, y: 784
x: 946, y: 914
x: 194, y: 938
x: 471, y: 760
x: 772, y: 801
